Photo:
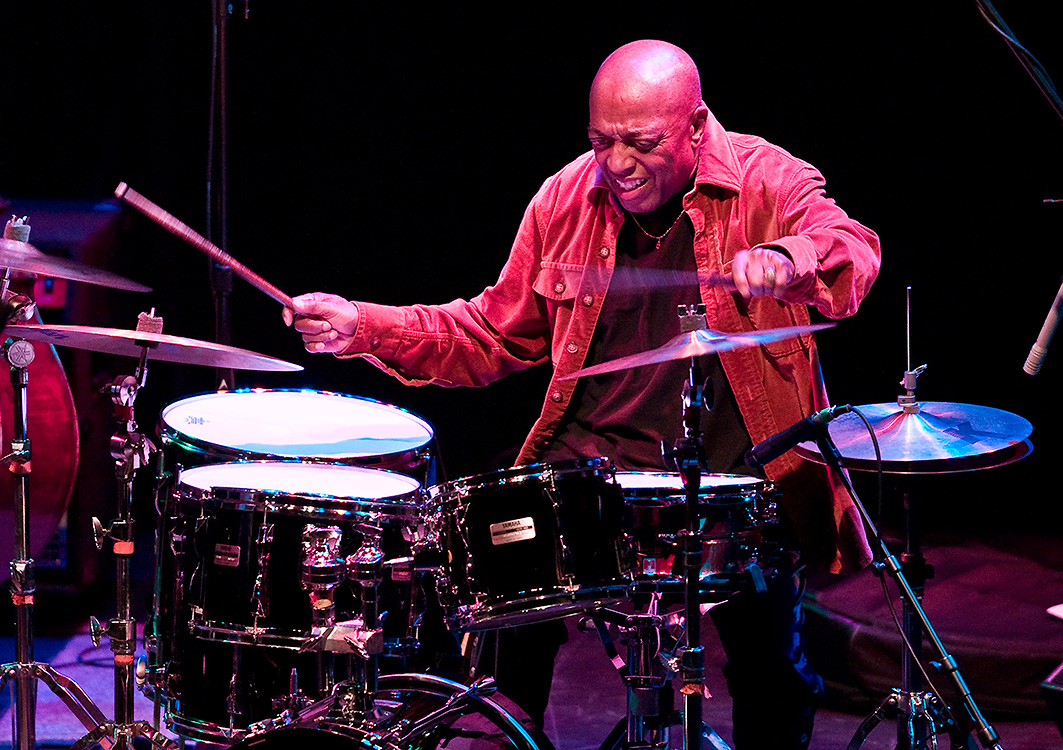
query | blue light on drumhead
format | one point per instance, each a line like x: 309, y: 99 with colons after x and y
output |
x: 296, y: 424
x: 288, y: 478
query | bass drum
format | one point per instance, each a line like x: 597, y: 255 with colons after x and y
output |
x: 411, y: 711
x: 291, y: 425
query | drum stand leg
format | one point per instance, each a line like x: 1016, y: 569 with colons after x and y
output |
x: 24, y: 671
x: 924, y: 714
x: 131, y: 450
x: 650, y: 702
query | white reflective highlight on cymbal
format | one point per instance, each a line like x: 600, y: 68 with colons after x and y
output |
x: 328, y: 480
x: 297, y: 424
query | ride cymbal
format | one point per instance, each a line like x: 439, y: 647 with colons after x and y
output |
x: 161, y: 346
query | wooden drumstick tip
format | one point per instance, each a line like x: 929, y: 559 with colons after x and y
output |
x: 120, y: 191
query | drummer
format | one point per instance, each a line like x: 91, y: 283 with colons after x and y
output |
x: 663, y: 188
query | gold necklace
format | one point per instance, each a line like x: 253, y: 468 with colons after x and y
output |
x: 653, y: 236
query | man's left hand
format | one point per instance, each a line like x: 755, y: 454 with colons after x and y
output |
x: 761, y: 272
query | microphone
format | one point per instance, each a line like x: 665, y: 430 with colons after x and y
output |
x: 1040, y: 347
x: 770, y: 449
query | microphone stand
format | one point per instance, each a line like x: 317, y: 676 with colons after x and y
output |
x: 221, y: 276
x: 945, y: 662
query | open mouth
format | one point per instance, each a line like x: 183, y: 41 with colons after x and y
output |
x: 629, y: 185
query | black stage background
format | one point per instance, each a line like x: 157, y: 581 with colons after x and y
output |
x: 388, y: 154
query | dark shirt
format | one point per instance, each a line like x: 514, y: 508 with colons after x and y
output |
x: 626, y: 415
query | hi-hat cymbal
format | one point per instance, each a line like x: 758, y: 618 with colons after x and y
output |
x: 695, y: 344
x: 161, y: 346
x: 936, y: 438
x: 22, y: 256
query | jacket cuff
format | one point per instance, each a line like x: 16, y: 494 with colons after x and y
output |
x: 379, y: 332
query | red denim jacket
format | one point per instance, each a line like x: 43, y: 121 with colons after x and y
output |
x: 546, y: 302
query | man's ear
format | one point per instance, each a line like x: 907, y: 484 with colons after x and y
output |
x: 698, y: 121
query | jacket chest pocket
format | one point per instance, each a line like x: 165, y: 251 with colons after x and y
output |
x: 558, y: 282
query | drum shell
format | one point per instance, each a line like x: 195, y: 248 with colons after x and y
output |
x: 209, y: 646
x: 736, y: 521
x: 530, y: 543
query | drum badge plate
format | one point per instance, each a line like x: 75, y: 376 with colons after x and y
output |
x: 516, y: 530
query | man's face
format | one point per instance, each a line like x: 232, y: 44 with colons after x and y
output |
x: 647, y: 152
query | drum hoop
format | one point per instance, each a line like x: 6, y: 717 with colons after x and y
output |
x: 490, y: 611
x: 750, y: 488
x: 402, y: 505
x: 214, y: 631
x: 170, y: 435
x: 594, y: 466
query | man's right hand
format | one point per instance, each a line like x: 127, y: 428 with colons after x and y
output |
x: 327, y: 322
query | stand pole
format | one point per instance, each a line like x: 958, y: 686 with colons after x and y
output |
x: 24, y: 670
x: 987, y: 736
x: 23, y: 583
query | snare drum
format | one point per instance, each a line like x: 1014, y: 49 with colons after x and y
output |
x: 530, y: 543
x: 733, y: 512
x: 296, y: 425
x: 253, y: 557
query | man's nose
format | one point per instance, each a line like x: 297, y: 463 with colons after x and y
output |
x: 621, y: 159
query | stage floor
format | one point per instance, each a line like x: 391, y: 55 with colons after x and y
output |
x: 588, y: 696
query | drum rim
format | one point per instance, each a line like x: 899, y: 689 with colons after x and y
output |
x: 495, y: 611
x: 171, y: 435
x: 403, y: 505
x: 755, y: 485
x: 586, y: 465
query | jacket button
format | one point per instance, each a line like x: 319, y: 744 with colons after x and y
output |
x: 559, y: 287
x: 556, y: 397
x: 572, y: 347
x: 603, y: 252
x: 588, y: 300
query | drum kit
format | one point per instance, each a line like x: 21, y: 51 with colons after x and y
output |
x: 303, y: 541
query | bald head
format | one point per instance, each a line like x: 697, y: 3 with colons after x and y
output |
x: 647, y: 122
x: 649, y: 71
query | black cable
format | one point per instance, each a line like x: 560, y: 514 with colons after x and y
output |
x: 1026, y: 58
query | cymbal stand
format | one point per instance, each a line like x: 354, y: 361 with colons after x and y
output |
x: 917, y: 707
x: 131, y: 450
x: 688, y: 455
x: 24, y: 671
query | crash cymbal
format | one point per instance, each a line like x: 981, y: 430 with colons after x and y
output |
x: 934, y: 438
x: 22, y: 256
x: 161, y: 346
x: 697, y: 343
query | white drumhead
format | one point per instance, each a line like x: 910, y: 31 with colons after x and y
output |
x: 330, y: 480
x: 295, y: 424
x: 673, y: 481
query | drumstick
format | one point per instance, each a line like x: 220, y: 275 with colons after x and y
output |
x: 168, y: 221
